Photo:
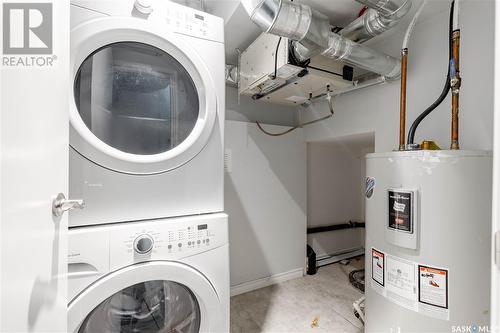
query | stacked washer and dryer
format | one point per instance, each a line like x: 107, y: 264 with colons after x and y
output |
x: 149, y: 253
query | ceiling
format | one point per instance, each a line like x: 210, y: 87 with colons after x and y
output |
x: 240, y: 32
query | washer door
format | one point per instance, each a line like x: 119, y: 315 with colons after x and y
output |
x: 143, y: 101
x: 150, y: 297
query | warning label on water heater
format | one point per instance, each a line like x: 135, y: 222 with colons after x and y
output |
x: 400, y: 210
x: 433, y: 286
x: 414, y: 286
x: 401, y: 282
x: 378, y: 273
x: 433, y: 291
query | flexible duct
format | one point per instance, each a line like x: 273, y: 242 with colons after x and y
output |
x: 380, y: 17
x: 232, y: 75
x: 312, y: 35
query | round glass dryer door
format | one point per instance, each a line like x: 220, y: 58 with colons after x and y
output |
x: 144, y: 101
x: 136, y: 98
x: 147, y: 307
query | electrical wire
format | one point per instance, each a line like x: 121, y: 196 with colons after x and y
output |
x: 275, y: 134
x: 324, y: 70
x: 446, y: 88
x: 330, y: 106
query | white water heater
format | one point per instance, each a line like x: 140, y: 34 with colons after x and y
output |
x: 428, y: 227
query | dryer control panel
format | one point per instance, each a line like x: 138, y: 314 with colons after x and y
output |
x: 188, y: 21
x: 174, y: 17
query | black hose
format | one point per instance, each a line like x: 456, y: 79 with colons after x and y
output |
x: 276, y: 59
x: 446, y: 88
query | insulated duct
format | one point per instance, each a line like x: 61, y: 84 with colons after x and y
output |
x: 341, y: 48
x: 312, y: 34
x: 380, y: 17
x: 290, y: 20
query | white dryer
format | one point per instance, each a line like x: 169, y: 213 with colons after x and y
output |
x: 147, y: 111
x: 162, y: 276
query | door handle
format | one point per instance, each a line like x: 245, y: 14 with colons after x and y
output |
x: 60, y: 205
x: 78, y: 270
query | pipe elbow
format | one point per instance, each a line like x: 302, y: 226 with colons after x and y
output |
x: 377, y: 19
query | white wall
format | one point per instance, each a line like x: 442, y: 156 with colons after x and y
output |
x: 265, y: 197
x: 376, y: 109
x: 335, y: 179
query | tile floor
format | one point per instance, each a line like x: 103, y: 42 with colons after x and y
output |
x: 292, y: 306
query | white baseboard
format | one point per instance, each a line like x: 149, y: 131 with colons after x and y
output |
x: 331, y: 259
x: 267, y: 281
x: 323, y: 255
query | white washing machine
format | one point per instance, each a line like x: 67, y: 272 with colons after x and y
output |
x: 147, y: 111
x: 169, y: 275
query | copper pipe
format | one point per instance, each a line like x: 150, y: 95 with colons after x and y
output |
x: 402, y: 99
x: 456, y: 82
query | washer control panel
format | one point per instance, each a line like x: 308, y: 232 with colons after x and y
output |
x: 168, y: 239
x: 145, y: 240
x: 101, y: 249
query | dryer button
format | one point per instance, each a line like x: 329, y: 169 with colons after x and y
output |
x: 143, y: 6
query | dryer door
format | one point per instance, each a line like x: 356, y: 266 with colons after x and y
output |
x: 157, y: 296
x: 143, y: 101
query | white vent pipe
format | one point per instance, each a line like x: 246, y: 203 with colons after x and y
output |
x: 380, y: 17
x: 312, y: 31
x: 411, y: 27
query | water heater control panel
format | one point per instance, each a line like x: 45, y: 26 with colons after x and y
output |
x: 402, y: 217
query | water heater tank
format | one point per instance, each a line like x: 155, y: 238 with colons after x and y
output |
x: 428, y: 228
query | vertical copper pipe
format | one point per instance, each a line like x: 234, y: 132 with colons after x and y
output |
x: 455, y: 89
x: 402, y: 99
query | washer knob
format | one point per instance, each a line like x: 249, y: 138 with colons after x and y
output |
x: 143, y: 244
x: 143, y: 6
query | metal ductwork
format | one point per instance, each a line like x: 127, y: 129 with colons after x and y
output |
x: 232, y: 75
x: 344, y: 49
x: 290, y: 20
x: 313, y: 35
x: 380, y: 17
